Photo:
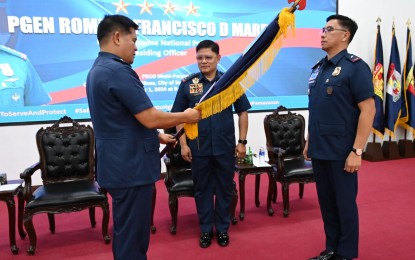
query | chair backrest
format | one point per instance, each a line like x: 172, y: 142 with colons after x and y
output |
x: 284, y: 130
x: 66, y: 151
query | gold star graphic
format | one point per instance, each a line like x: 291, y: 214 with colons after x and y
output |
x: 121, y: 6
x: 169, y: 7
x: 191, y: 9
x: 145, y: 7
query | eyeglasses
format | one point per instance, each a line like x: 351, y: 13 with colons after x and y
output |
x: 207, y: 58
x: 329, y: 29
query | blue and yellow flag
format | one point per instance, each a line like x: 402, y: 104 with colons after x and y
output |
x: 378, y: 83
x: 407, y: 79
x: 393, y: 101
x: 247, y: 69
x: 408, y: 82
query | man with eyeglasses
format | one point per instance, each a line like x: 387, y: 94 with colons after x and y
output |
x: 212, y: 154
x: 341, y: 113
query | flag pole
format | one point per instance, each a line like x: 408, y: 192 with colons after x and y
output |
x: 169, y: 146
x: 378, y: 21
x: 373, y: 151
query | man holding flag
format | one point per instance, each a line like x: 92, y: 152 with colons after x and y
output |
x: 341, y: 112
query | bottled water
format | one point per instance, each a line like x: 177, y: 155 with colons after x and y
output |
x: 261, y: 155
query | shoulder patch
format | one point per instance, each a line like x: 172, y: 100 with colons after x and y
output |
x: 13, y: 52
x: 190, y: 77
x: 352, y: 57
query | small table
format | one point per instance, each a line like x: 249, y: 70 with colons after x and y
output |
x: 7, y: 193
x: 245, y: 169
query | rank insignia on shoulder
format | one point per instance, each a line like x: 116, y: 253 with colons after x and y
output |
x: 191, y: 76
x: 353, y: 58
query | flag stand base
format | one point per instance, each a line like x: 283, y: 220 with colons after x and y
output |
x: 390, y: 150
x: 373, y: 152
x: 406, y: 148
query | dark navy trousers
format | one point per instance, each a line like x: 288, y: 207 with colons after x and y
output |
x: 131, y: 211
x: 337, y: 192
x: 213, y: 180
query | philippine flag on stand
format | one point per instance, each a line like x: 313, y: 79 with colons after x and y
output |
x: 393, y: 89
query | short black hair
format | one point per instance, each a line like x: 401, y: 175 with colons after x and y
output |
x: 208, y: 44
x: 346, y: 23
x: 112, y: 23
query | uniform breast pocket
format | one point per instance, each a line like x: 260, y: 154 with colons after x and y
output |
x: 331, y: 89
x: 11, y: 94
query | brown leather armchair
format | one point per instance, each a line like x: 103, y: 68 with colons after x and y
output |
x: 285, y: 141
x: 67, y: 167
x: 179, y: 182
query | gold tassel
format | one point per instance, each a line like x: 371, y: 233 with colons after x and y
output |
x: 286, y: 21
x: 228, y: 96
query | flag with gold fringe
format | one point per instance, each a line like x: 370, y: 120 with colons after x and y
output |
x: 378, y: 83
x: 247, y: 69
x: 408, y: 83
x: 407, y: 71
x: 393, y: 89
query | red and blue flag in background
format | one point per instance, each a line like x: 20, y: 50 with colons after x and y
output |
x: 394, y: 95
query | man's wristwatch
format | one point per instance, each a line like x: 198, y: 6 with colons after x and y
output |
x: 358, y: 152
x: 242, y: 141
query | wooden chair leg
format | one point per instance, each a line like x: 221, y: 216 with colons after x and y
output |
x: 173, y: 205
x: 285, y: 199
x: 301, y: 187
x: 51, y: 218
x: 30, y: 229
x: 274, y: 195
x: 92, y: 217
x: 270, y: 194
x: 105, y: 222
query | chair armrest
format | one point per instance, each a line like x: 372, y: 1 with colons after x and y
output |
x: 278, y: 151
x: 279, y: 156
x: 166, y: 160
x: 26, y: 175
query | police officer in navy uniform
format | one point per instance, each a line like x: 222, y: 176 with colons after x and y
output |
x: 341, y: 113
x: 127, y: 142
x: 213, y: 152
x: 20, y: 84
